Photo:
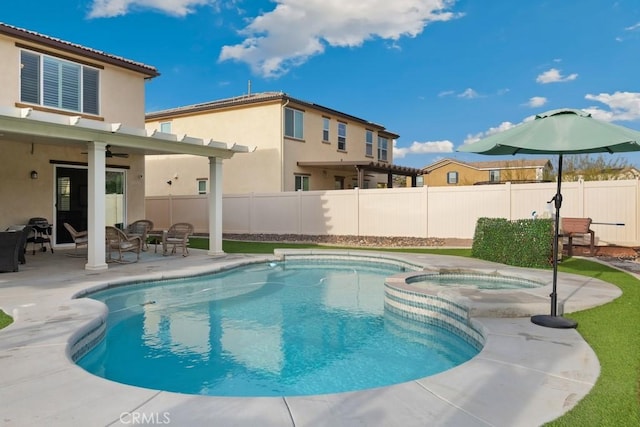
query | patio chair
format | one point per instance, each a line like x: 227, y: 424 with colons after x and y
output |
x: 178, y: 236
x: 80, y: 238
x: 22, y: 246
x: 141, y: 228
x: 118, y: 241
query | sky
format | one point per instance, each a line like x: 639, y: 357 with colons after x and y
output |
x: 440, y: 73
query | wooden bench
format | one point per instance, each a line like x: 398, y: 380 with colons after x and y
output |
x: 577, y: 226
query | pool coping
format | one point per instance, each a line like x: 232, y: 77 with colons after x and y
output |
x: 525, y: 375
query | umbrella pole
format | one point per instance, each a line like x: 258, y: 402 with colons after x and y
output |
x: 553, y: 320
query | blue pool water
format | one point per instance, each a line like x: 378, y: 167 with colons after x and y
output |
x: 294, y: 328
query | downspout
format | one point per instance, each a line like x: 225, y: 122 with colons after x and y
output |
x: 282, y: 145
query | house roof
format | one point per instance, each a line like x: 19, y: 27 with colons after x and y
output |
x: 55, y: 43
x: 491, y: 165
x: 262, y: 97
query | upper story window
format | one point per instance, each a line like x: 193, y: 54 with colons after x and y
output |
x: 494, y: 176
x: 325, y: 129
x: 58, y: 83
x: 165, y: 127
x: 293, y: 123
x: 368, y: 143
x: 342, y: 136
x: 452, y: 177
x: 383, y: 148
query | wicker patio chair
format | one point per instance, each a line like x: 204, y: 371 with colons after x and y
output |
x: 9, y: 249
x: 178, y: 237
x: 141, y: 228
x: 118, y: 241
x: 80, y: 238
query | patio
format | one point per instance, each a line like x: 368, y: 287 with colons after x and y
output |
x: 526, y: 374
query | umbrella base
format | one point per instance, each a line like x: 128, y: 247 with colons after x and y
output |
x: 557, y: 322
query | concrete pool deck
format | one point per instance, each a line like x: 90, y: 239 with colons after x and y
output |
x: 526, y: 375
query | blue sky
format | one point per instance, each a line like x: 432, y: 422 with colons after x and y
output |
x: 438, y: 72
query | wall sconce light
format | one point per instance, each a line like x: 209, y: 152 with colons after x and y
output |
x: 34, y: 175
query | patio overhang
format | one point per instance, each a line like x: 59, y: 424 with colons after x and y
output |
x: 92, y: 136
x: 33, y: 126
x: 362, y: 167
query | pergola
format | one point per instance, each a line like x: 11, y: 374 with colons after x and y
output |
x: 362, y: 167
x: 38, y: 127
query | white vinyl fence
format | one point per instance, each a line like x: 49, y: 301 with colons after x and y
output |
x: 445, y: 212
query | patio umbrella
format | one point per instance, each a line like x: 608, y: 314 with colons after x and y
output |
x: 563, y: 131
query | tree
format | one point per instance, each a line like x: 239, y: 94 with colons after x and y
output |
x: 602, y: 167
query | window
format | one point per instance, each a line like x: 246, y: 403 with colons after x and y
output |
x: 293, y: 123
x: 383, y: 147
x: 302, y: 183
x: 165, y: 127
x: 452, y: 177
x: 202, y: 185
x: 57, y: 83
x: 339, y: 183
x: 325, y: 129
x: 368, y: 144
x: 342, y: 136
x: 494, y: 176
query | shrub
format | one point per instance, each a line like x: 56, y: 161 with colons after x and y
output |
x: 522, y: 243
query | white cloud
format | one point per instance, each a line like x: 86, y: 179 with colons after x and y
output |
x: 633, y: 27
x: 296, y: 30
x: 478, y: 136
x: 111, y: 8
x: 422, y: 148
x: 536, y: 101
x: 468, y: 94
x: 623, y: 106
x: 553, y: 75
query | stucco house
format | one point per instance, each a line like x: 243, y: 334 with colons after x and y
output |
x: 455, y: 172
x: 300, y: 146
x: 73, y: 140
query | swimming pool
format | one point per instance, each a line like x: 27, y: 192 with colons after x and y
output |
x: 477, y: 281
x: 289, y: 328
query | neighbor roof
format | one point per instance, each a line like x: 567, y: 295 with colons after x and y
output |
x: 495, y: 164
x: 52, y: 42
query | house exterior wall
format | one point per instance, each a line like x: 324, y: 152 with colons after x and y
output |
x: 468, y: 175
x: 273, y: 165
x: 121, y: 100
x: 258, y: 126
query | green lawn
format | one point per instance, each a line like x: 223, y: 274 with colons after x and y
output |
x: 5, y: 319
x: 612, y: 330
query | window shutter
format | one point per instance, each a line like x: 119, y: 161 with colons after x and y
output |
x: 50, y: 78
x: 90, y: 82
x: 30, y: 78
x: 70, y: 86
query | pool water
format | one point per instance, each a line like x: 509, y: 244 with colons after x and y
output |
x: 294, y: 328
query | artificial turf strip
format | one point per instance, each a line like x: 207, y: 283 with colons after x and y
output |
x: 612, y: 332
x: 5, y: 319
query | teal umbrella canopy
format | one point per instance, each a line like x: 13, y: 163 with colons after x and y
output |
x: 564, y: 131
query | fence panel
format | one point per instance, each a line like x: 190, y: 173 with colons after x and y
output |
x: 445, y: 212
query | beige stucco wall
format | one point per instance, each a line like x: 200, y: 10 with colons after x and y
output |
x: 261, y: 125
x: 244, y: 172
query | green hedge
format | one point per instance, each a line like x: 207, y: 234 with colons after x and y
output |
x: 523, y: 243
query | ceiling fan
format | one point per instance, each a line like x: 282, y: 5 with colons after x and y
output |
x: 108, y: 153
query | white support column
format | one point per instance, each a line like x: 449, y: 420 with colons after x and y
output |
x: 96, y: 208
x: 215, y: 206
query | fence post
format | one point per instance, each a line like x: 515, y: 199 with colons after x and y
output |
x: 357, y: 208
x: 508, y: 189
x: 425, y: 196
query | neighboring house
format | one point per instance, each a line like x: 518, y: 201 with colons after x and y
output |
x: 300, y: 146
x: 454, y: 172
x: 73, y: 140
